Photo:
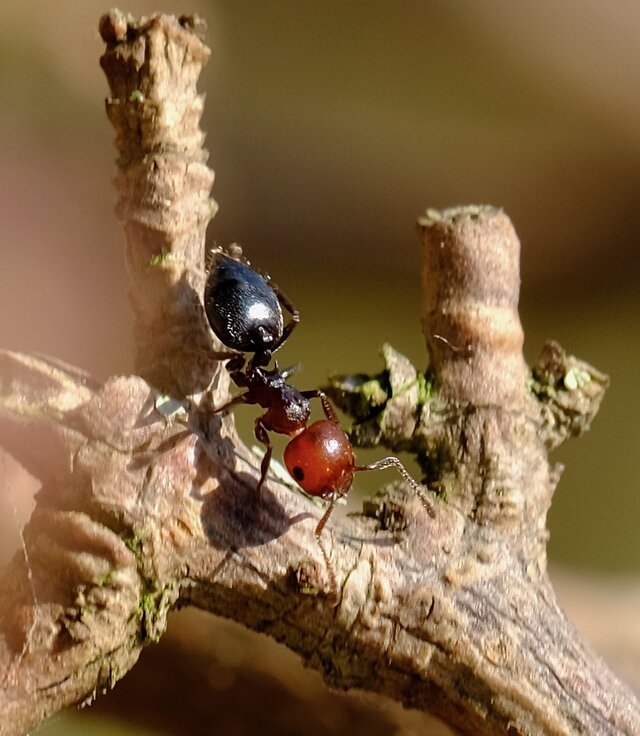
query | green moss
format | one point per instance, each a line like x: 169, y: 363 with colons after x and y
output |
x: 136, y: 544
x: 106, y: 579
x: 151, y: 611
x: 360, y: 395
x: 155, y: 598
x: 365, y: 398
x: 541, y: 389
x: 161, y: 259
x: 373, y: 392
x: 426, y: 388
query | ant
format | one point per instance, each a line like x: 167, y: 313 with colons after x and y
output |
x: 245, y: 311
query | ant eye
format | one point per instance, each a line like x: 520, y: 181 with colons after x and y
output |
x: 297, y: 473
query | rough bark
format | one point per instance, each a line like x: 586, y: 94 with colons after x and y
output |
x: 139, y: 513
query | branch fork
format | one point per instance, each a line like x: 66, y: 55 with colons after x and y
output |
x: 137, y: 514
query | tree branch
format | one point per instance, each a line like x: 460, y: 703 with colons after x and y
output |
x: 137, y: 513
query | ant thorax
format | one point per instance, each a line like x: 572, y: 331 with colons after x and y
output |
x: 288, y: 410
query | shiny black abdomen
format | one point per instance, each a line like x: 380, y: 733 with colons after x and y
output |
x: 242, y: 308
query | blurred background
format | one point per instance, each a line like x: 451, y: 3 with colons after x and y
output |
x: 331, y: 127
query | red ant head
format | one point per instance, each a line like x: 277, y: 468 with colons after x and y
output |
x: 320, y: 459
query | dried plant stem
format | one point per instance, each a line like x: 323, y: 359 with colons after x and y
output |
x: 162, y: 188
x: 454, y: 615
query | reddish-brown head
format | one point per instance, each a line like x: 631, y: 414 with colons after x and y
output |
x: 320, y: 459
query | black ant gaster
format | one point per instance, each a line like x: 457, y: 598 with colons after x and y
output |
x: 245, y: 311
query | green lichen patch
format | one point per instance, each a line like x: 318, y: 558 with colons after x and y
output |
x: 136, y: 96
x: 360, y: 396
x: 155, y: 599
x: 575, y: 378
x: 162, y: 259
x: 569, y: 392
x: 385, y: 406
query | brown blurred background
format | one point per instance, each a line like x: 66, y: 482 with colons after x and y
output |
x: 331, y: 127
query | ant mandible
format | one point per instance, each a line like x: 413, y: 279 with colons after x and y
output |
x: 244, y: 310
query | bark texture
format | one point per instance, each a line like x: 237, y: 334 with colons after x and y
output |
x: 138, y: 513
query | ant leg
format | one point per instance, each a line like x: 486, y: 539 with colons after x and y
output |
x: 288, y: 329
x: 236, y: 361
x: 239, y: 399
x: 262, y: 436
x: 288, y: 305
x: 327, y: 406
x: 215, y: 250
x: 333, y: 585
x: 393, y: 462
x: 290, y: 370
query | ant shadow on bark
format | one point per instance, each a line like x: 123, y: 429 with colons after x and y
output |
x: 235, y: 515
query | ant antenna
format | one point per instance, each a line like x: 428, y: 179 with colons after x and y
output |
x: 290, y: 370
x: 394, y: 462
